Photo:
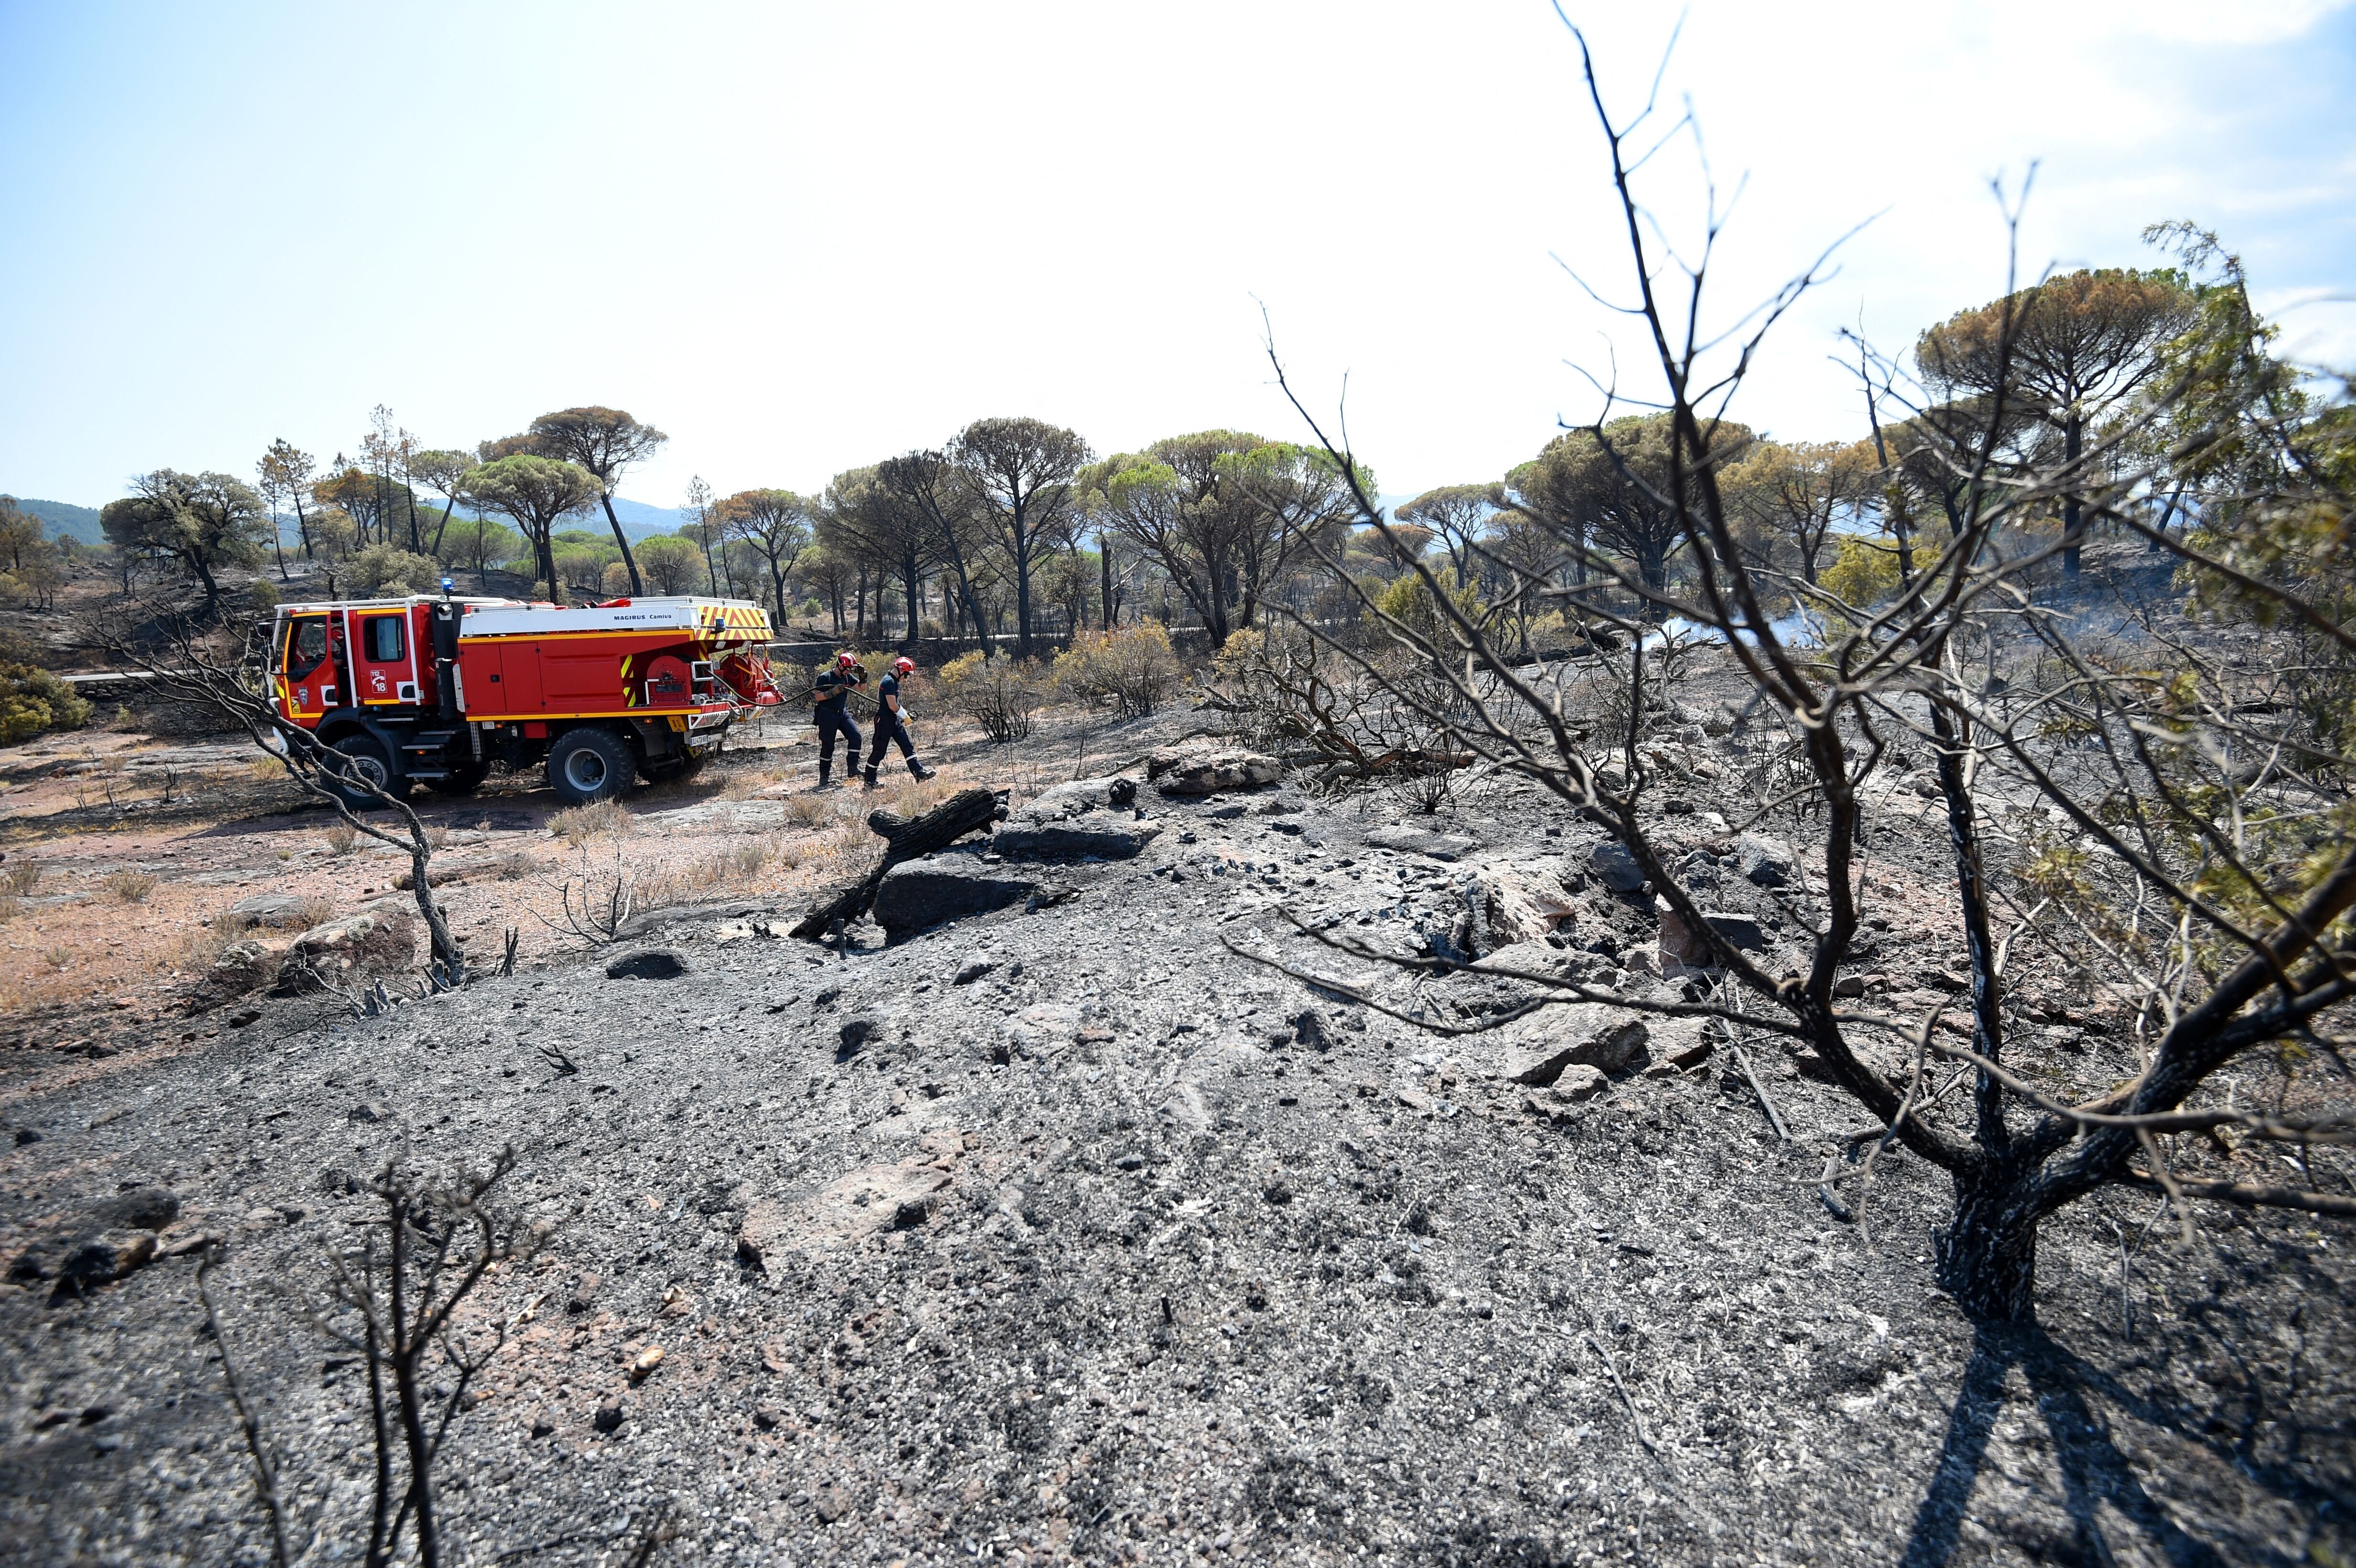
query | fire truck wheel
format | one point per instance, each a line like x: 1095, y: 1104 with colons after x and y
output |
x: 462, y: 780
x: 373, y: 762
x: 587, y: 765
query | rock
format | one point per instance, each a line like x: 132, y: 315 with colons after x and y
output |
x: 101, y: 1258
x: 1526, y: 903
x: 609, y: 1417
x: 974, y: 967
x: 585, y: 1293
x: 243, y: 967
x: 648, y: 963
x: 1423, y: 841
x: 1036, y: 1031
x: 1694, y: 1055
x: 1210, y: 772
x: 1615, y: 867
x: 1766, y: 862
x: 277, y: 910
x: 1685, y: 946
x: 140, y: 1209
x: 1537, y: 1050
x: 380, y: 937
x: 1848, y: 985
x: 1311, y: 1030
x: 831, y: 1505
x: 924, y: 893
x: 643, y: 1364
x: 1578, y: 1083
x: 1084, y: 817
x: 767, y: 1418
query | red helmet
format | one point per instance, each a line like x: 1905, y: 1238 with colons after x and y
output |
x: 843, y: 661
x: 903, y: 666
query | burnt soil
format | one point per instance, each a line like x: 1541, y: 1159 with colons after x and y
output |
x: 1132, y: 1250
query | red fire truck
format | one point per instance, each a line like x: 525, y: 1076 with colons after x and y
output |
x: 434, y: 691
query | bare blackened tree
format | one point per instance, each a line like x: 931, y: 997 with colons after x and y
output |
x: 2220, y: 911
x: 394, y: 1301
x: 186, y: 665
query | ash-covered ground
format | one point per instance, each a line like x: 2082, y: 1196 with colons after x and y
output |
x: 1066, y: 1234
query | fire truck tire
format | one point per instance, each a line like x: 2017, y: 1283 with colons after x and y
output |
x: 374, y: 761
x: 462, y: 780
x: 587, y: 765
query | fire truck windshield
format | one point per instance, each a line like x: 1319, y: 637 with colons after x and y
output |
x: 307, y: 643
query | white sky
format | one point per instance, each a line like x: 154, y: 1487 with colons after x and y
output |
x: 802, y: 237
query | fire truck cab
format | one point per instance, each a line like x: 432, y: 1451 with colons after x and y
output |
x: 434, y: 690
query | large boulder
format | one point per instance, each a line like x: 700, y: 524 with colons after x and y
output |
x: 920, y: 894
x: 1535, y: 1051
x: 381, y: 938
x: 1210, y: 772
x: 1085, y: 817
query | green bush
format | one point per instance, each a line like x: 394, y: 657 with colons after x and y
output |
x: 1002, y: 695
x: 1133, y: 668
x: 33, y: 700
x: 385, y: 571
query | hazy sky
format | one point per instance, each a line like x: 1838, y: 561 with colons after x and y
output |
x: 801, y: 238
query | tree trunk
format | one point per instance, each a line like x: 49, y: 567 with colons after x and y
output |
x: 906, y: 838
x: 637, y: 583
x: 2074, y: 516
x: 302, y: 524
x: 1987, y: 1255
x: 1022, y: 584
x: 1104, y: 570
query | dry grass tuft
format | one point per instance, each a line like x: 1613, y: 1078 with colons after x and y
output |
x: 438, y: 836
x: 58, y: 959
x: 582, y: 823
x: 341, y: 838
x: 515, y: 866
x: 20, y: 877
x: 11, y: 906
x: 810, y: 810
x: 129, y: 887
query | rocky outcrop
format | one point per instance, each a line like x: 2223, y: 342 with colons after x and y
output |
x: 1198, y: 772
x: 1535, y: 1051
x: 109, y: 1238
x: 381, y: 938
x: 1087, y: 818
x: 920, y: 894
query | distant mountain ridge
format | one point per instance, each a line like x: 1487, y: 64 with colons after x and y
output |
x: 64, y: 518
x: 639, y: 520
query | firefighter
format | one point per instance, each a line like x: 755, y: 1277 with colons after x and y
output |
x: 833, y: 715
x: 891, y: 724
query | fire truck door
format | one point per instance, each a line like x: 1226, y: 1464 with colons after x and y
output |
x: 304, y: 670
x: 383, y: 671
x: 519, y: 678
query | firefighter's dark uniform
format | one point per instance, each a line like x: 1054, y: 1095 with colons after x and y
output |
x: 891, y: 727
x: 834, y: 715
